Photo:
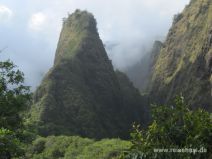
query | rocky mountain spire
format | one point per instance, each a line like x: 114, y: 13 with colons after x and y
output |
x: 81, y: 94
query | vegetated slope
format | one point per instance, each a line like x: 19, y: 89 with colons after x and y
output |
x: 140, y: 73
x: 81, y: 94
x: 74, y: 147
x: 184, y: 64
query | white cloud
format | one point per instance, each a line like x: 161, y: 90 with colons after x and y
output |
x: 5, y: 13
x: 37, y: 21
x: 130, y: 28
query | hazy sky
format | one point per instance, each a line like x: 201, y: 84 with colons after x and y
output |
x: 29, y: 29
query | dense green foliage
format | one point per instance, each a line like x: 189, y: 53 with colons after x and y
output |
x: 74, y: 147
x: 185, y: 62
x: 14, y: 98
x: 175, y: 127
x: 10, y: 144
x: 81, y: 94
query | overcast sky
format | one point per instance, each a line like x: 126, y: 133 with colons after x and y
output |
x: 29, y: 29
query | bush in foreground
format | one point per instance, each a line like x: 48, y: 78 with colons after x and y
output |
x: 73, y: 147
x: 14, y: 99
x: 176, y: 132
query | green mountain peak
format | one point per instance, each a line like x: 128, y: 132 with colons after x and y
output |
x: 81, y: 94
x: 76, y: 28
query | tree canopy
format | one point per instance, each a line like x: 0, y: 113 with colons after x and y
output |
x: 176, y: 132
x: 14, y: 99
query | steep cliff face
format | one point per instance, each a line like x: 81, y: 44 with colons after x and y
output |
x: 185, y: 62
x: 81, y: 94
x: 140, y: 73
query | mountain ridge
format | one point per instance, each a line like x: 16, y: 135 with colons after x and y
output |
x: 81, y: 94
x: 184, y: 63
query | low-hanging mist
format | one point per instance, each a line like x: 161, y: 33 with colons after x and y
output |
x: 127, y: 29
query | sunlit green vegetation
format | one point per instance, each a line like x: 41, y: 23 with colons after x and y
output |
x: 173, y: 127
x: 14, y: 99
x: 74, y: 147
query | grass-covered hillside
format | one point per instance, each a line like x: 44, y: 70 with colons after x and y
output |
x: 185, y: 62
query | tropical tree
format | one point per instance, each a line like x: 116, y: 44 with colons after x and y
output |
x: 14, y: 99
x: 176, y: 132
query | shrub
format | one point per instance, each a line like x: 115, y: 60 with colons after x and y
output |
x: 10, y: 146
x: 174, y: 128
